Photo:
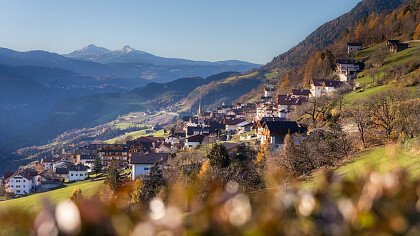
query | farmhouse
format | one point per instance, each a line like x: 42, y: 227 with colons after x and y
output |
x: 268, y: 94
x: 86, y: 160
x: 347, y: 69
x: 165, y: 148
x: 231, y: 125
x: 300, y: 93
x: 273, y: 132
x: 141, y: 163
x: 266, y: 110
x: 244, y: 127
x: 194, y: 141
x: 354, y: 47
x: 175, y: 138
x: 324, y: 87
x: 19, y: 183
x: 47, y: 181
x: 77, y: 173
x: 47, y: 162
x: 396, y: 45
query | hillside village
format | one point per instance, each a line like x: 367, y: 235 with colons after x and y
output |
x: 322, y: 140
x: 266, y: 122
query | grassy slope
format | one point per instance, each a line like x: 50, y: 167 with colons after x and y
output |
x: 383, y: 159
x: 137, y: 134
x: 391, y: 60
x: 34, y: 202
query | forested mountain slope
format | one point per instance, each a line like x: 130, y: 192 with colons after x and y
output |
x: 331, y: 31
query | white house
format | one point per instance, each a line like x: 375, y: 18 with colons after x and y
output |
x: 47, y: 181
x: 62, y: 172
x: 77, y: 173
x: 86, y: 160
x: 61, y: 164
x: 244, y: 127
x: 354, y: 47
x: 164, y: 148
x: 347, y: 69
x: 20, y: 183
x: 141, y: 163
x: 232, y: 125
x: 324, y: 87
x: 48, y: 162
x: 266, y: 110
x: 194, y: 141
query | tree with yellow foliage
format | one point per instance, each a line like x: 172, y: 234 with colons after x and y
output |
x: 204, y: 168
x: 284, y: 85
x: 263, y: 152
x: 77, y: 195
x: 417, y: 32
x: 358, y: 32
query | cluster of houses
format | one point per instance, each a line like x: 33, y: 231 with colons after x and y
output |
x: 53, y: 171
x: 47, y: 174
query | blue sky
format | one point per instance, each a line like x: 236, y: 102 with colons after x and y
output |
x: 251, y: 30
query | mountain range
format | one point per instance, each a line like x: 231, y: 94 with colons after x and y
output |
x: 128, y: 54
x: 126, y: 63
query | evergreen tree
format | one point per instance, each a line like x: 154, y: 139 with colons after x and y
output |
x: 219, y: 156
x: 152, y: 184
x: 114, y: 178
x: 97, y: 168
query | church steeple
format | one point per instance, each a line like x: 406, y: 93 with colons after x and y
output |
x: 199, y: 108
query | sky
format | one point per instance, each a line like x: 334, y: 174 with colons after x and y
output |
x: 214, y: 30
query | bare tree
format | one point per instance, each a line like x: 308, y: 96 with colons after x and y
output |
x: 382, y: 111
x: 359, y: 113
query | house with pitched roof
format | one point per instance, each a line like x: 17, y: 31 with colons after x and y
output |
x: 231, y: 125
x: 78, y: 173
x: 273, y: 132
x: 194, y: 141
x: 396, y: 45
x: 86, y: 160
x: 48, y: 162
x: 347, y: 69
x: 266, y: 110
x: 324, y: 87
x: 20, y: 183
x: 300, y: 93
x: 353, y: 47
x: 141, y: 163
x: 165, y: 148
x: 118, y: 152
x: 244, y: 127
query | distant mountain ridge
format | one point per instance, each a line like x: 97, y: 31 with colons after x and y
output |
x: 128, y: 54
x: 125, y: 70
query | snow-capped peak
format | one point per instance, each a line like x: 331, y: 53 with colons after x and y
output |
x: 92, y: 48
x: 127, y: 49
